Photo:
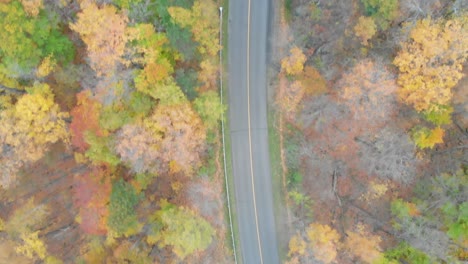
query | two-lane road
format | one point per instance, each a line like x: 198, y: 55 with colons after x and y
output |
x: 248, y: 27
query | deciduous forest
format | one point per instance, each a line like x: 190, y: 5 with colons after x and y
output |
x: 109, y: 136
x: 371, y: 106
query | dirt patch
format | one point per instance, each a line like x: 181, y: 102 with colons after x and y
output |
x: 8, y: 254
x: 50, y: 182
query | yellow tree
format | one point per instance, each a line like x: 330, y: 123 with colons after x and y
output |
x: 297, y: 246
x: 363, y: 245
x: 431, y: 62
x: 430, y: 65
x: 424, y: 137
x: 365, y: 29
x: 28, y: 128
x: 294, y: 63
x: 102, y: 29
x: 324, y: 242
x: 321, y: 240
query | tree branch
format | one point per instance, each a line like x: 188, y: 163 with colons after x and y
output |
x: 8, y: 90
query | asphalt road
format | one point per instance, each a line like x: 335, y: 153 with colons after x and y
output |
x: 247, y: 63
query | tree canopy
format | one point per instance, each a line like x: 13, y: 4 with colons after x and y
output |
x: 430, y: 63
x: 122, y: 218
x: 180, y: 228
x: 28, y: 128
x: 26, y: 40
x: 102, y: 29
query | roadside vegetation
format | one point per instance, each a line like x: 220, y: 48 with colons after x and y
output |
x: 110, y: 136
x: 371, y: 97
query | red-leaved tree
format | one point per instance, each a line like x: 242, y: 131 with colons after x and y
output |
x: 91, y: 196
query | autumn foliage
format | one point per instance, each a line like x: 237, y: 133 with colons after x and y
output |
x: 362, y: 244
x: 427, y: 138
x: 85, y: 118
x: 368, y: 92
x: 180, y: 228
x: 102, y: 29
x: 137, y: 138
x: 289, y: 97
x: 294, y: 63
x: 365, y: 29
x: 27, y: 38
x: 171, y: 140
x: 320, y: 241
x: 91, y: 196
x: 28, y: 129
x: 431, y: 62
x: 202, y: 20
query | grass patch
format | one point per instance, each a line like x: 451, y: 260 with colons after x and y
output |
x: 230, y: 177
x: 287, y: 10
x: 232, y: 196
x: 276, y: 178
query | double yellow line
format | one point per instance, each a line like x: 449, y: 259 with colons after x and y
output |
x: 250, y: 134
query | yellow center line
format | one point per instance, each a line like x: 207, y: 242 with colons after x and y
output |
x: 250, y: 133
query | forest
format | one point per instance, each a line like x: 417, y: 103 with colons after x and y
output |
x: 370, y: 104
x: 111, y: 143
x: 110, y: 139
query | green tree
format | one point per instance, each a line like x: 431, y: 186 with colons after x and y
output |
x: 122, y: 216
x: 180, y: 228
x: 210, y: 109
x: 439, y: 115
x: 166, y: 92
x: 99, y: 150
x: 202, y: 19
x: 150, y: 50
x: 435, y: 222
x: 140, y: 104
x: 383, y: 11
x: 424, y: 137
x: 404, y: 253
x: 115, y: 116
x: 26, y: 40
